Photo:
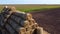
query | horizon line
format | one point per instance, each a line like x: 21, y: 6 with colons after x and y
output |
x: 29, y: 4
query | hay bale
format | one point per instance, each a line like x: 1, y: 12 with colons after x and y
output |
x: 18, y: 22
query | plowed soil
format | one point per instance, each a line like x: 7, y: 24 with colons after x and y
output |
x: 48, y: 19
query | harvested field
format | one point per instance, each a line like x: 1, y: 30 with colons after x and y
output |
x: 49, y: 20
x: 45, y: 16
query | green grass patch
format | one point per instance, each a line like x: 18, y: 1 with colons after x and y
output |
x: 30, y: 8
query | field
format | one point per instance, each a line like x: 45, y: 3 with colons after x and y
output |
x: 46, y: 16
x: 48, y: 19
x: 29, y: 8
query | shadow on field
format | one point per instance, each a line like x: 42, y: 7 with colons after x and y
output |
x: 48, y: 19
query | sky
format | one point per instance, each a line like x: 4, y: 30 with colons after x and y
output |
x: 29, y: 1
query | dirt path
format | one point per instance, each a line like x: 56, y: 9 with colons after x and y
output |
x: 49, y: 20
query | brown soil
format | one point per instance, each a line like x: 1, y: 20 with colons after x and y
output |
x: 48, y: 19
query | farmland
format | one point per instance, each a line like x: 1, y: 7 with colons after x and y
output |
x: 46, y: 16
x: 29, y: 8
